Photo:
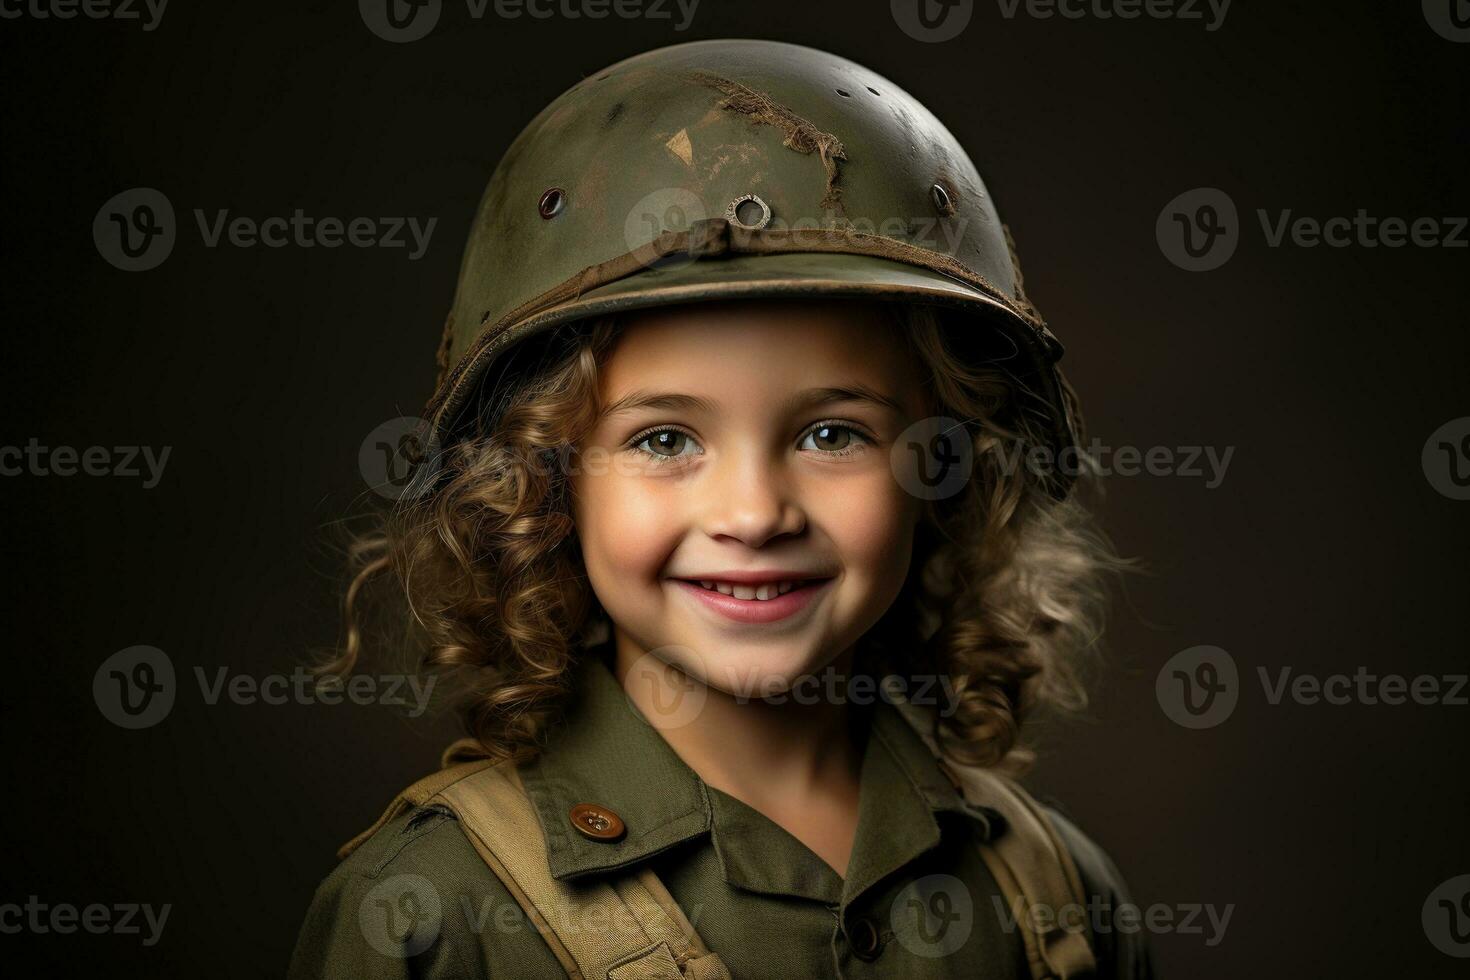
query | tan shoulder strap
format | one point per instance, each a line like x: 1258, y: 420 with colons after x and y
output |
x: 628, y: 928
x: 1037, y: 877
x: 416, y: 795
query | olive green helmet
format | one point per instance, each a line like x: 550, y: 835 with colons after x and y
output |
x: 737, y: 169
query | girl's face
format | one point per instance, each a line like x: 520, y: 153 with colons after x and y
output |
x: 747, y: 445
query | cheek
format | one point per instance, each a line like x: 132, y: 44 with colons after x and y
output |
x: 625, y: 531
x: 872, y: 523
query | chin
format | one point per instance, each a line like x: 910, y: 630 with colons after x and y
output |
x: 750, y: 670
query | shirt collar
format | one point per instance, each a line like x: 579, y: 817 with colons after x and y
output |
x: 606, y: 753
x: 903, y: 790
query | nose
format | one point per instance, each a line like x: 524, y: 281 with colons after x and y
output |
x: 747, y: 499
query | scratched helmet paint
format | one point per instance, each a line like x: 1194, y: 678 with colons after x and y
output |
x: 733, y: 169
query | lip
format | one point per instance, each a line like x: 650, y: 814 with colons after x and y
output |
x: 756, y: 610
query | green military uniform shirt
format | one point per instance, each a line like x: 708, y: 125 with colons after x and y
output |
x: 917, y: 900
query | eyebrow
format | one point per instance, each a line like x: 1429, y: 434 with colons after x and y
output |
x: 810, y: 398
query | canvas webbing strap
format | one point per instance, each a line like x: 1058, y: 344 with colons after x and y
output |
x: 626, y: 928
x: 1036, y: 875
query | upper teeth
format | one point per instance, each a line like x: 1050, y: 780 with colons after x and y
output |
x: 766, y: 590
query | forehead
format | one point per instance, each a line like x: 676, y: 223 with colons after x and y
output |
x: 765, y: 346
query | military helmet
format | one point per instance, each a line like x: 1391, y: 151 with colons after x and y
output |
x: 737, y: 169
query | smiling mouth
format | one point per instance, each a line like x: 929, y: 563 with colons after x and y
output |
x: 756, y: 603
x: 762, y: 592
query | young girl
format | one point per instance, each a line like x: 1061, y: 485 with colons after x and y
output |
x: 753, y: 537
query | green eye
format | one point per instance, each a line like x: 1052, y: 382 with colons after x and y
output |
x: 667, y: 442
x: 665, y: 445
x: 829, y: 437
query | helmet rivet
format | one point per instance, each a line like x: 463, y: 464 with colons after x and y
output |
x: 943, y: 203
x: 748, y: 212
x: 552, y: 202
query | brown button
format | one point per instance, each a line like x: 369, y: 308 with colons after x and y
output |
x: 597, y: 822
x: 865, y: 940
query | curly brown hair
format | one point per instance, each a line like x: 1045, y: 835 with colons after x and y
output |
x: 1005, y: 595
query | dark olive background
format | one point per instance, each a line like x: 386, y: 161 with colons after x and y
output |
x: 1324, y: 549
